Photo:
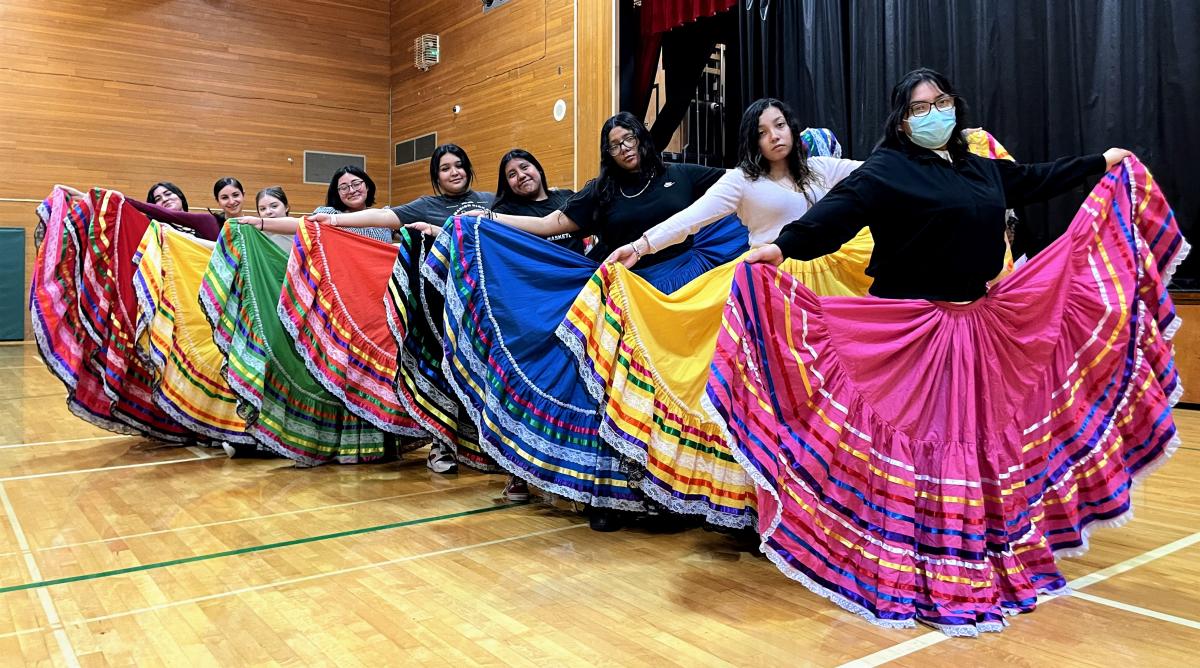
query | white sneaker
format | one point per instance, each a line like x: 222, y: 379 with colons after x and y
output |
x: 441, y: 458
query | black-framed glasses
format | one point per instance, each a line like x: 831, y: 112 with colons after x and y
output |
x: 919, y: 109
x: 630, y: 141
x: 353, y: 185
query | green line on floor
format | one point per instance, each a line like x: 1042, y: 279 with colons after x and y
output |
x: 257, y: 548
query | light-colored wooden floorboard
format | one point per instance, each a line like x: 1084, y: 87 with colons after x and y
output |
x: 1069, y: 632
x: 520, y: 586
x: 1175, y: 592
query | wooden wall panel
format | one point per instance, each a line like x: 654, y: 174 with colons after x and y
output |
x: 597, y: 85
x: 1187, y: 345
x: 505, y: 68
x: 125, y: 94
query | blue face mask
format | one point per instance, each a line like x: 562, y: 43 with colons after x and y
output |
x: 932, y: 130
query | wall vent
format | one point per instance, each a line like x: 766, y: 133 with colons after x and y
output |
x: 416, y: 149
x: 319, y: 166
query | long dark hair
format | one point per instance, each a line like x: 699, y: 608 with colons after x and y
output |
x: 227, y: 181
x: 752, y: 162
x: 504, y: 192
x: 435, y: 161
x: 649, y: 161
x: 895, y: 137
x: 169, y: 186
x: 334, y: 199
x: 273, y: 191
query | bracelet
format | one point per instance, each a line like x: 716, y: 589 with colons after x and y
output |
x: 333, y: 219
x: 261, y: 222
x: 636, y: 252
x: 649, y: 248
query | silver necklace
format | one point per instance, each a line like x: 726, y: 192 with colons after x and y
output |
x: 785, y: 182
x: 639, y: 193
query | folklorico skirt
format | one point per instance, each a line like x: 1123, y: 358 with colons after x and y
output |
x: 505, y: 294
x: 645, y: 356
x: 84, y: 312
x: 927, y: 461
x: 174, y: 337
x: 333, y: 307
x: 286, y: 409
x: 414, y: 306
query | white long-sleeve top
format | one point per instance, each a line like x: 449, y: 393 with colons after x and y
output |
x: 763, y: 205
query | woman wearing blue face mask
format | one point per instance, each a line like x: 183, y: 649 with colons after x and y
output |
x: 936, y: 211
x: 924, y: 455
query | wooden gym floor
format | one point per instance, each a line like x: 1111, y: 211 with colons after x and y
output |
x: 116, y: 551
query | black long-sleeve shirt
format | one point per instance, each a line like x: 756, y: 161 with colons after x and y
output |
x: 938, y: 226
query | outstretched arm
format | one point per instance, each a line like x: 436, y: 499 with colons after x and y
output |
x: 365, y: 218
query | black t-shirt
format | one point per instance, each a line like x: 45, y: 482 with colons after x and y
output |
x: 633, y: 211
x: 555, y: 200
x: 435, y: 209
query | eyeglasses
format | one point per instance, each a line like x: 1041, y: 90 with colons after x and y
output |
x: 630, y: 141
x: 919, y: 109
x: 353, y: 185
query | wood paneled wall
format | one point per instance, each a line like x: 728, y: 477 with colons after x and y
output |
x: 123, y: 94
x: 1187, y: 345
x: 504, y: 68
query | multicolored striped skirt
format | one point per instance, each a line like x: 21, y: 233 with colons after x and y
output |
x: 174, y: 337
x: 55, y: 315
x: 286, y: 409
x: 86, y: 264
x: 506, y: 293
x: 332, y: 306
x: 415, y: 309
x: 927, y: 461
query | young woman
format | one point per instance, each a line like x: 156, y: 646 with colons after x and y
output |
x: 85, y: 311
x: 450, y: 176
x: 352, y: 190
x: 229, y: 194
x: 774, y: 183
x: 924, y: 456
x: 272, y: 203
x: 522, y: 190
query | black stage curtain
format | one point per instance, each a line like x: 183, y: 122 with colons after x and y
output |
x: 795, y: 50
x: 1048, y: 78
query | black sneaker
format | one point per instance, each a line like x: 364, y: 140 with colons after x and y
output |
x: 605, y: 519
